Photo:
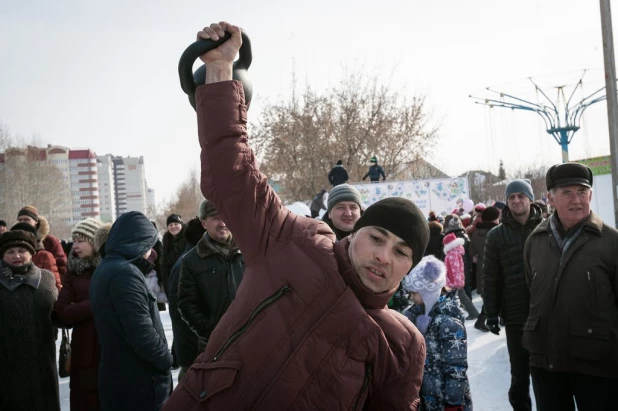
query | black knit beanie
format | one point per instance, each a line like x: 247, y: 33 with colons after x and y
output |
x: 402, y: 218
x: 173, y: 218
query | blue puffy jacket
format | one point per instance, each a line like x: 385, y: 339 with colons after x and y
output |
x: 134, y: 373
x: 445, y: 381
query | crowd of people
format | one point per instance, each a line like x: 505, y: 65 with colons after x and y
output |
x: 272, y: 310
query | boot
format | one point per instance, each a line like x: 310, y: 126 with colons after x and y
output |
x: 480, y: 323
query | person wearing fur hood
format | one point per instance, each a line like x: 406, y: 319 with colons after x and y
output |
x: 438, y: 316
x: 30, y: 215
x: 73, y: 310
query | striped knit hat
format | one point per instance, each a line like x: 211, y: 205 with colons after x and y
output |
x: 343, y: 192
x: 86, y: 229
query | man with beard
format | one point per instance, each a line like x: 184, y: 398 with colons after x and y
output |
x: 505, y: 293
x: 210, y: 274
x: 343, y: 210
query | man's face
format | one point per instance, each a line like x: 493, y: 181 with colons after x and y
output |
x: 344, y: 215
x: 26, y: 219
x: 379, y: 257
x: 216, y: 228
x: 519, y: 204
x: 3, y: 229
x: 572, y: 203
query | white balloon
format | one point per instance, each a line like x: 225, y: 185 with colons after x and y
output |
x: 468, y: 205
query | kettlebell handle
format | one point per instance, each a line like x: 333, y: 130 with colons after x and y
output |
x: 194, y: 51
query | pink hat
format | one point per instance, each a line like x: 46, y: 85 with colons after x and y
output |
x: 479, y: 207
x: 449, y: 238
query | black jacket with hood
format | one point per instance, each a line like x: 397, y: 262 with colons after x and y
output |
x: 134, y: 373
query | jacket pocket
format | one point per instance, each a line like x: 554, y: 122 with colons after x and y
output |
x: 365, y: 391
x: 209, y: 379
x: 592, y: 290
x: 532, y: 338
x: 589, y: 342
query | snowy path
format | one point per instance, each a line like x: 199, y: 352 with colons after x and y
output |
x: 488, y: 368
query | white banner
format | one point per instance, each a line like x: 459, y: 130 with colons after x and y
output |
x: 440, y: 194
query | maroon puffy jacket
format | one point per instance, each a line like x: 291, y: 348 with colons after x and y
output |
x: 303, y: 332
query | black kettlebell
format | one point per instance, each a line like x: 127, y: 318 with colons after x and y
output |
x: 189, y: 80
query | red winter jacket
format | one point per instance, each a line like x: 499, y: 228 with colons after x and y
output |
x: 45, y: 260
x: 52, y: 245
x: 303, y: 332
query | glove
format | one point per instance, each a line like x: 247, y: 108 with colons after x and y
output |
x: 453, y: 408
x: 493, y: 325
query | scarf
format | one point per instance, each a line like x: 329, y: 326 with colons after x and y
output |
x: 564, y: 238
x: 77, y: 265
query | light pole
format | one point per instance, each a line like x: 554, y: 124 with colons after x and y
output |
x: 612, y: 103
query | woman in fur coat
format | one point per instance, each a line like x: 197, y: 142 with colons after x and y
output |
x: 73, y: 310
x: 29, y: 375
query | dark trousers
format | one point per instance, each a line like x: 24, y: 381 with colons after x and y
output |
x: 556, y: 391
x: 519, y: 393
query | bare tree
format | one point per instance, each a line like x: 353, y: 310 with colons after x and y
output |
x: 300, y: 140
x: 26, y: 178
x: 186, y: 201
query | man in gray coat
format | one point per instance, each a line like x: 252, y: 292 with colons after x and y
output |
x: 571, y: 272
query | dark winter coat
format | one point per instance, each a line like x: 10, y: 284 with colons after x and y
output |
x: 374, y: 173
x: 73, y: 310
x: 28, y: 370
x: 338, y: 175
x: 303, y: 332
x: 317, y: 203
x: 173, y: 248
x: 477, y: 249
x: 209, y: 278
x: 185, y: 340
x: 504, y: 282
x: 52, y: 244
x: 573, y: 321
x: 435, y: 247
x: 445, y: 381
x: 134, y: 372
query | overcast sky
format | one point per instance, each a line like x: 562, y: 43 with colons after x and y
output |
x: 103, y: 75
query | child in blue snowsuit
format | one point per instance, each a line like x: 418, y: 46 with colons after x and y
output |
x: 438, y: 316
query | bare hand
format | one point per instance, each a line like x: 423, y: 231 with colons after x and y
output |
x: 225, y: 53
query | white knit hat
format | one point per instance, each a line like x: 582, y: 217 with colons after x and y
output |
x: 427, y: 278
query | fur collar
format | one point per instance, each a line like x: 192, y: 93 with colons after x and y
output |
x: 453, y: 244
x: 435, y: 225
x: 43, y: 228
x: 207, y: 247
x: 12, y: 281
x: 79, y: 266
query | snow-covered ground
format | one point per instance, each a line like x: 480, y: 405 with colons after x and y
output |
x: 488, y: 368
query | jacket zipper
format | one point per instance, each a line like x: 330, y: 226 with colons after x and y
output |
x: 261, y: 307
x: 366, y: 383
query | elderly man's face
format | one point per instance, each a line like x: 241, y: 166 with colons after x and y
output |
x: 572, y: 203
x: 380, y: 258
